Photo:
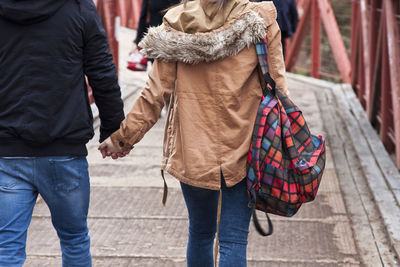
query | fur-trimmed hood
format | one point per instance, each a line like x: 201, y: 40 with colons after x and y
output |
x: 168, y: 44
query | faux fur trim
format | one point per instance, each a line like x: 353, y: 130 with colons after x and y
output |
x: 171, y: 45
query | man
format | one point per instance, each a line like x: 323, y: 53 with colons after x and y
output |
x: 46, y: 49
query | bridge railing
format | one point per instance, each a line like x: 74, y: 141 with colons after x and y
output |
x: 376, y: 66
x: 373, y: 68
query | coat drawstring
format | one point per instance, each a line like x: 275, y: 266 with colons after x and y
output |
x: 218, y: 220
x: 165, y: 193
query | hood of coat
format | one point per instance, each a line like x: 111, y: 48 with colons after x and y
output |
x: 194, y: 33
x: 195, y: 17
x: 26, y: 12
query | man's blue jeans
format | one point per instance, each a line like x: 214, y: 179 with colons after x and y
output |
x: 63, y: 182
x: 202, y: 205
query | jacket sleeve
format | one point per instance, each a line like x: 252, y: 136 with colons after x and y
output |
x: 147, y: 108
x: 101, y: 72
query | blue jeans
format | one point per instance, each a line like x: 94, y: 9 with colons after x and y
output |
x: 202, y: 205
x: 63, y: 182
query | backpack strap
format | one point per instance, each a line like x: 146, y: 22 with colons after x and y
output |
x: 262, y: 54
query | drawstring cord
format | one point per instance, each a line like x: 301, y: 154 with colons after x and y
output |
x: 165, y: 193
x: 216, y: 237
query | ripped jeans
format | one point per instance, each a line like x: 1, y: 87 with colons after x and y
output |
x: 63, y: 182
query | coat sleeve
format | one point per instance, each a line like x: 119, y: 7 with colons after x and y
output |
x: 101, y: 72
x: 147, y: 108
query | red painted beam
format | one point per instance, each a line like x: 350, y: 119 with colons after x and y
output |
x: 365, y: 38
x: 376, y: 82
x: 335, y: 40
x: 122, y: 12
x: 315, y: 40
x: 386, y: 118
x: 356, y: 48
x: 110, y: 13
x: 360, y: 89
x: 134, y: 13
x: 299, y: 36
x: 355, y: 36
x: 394, y: 62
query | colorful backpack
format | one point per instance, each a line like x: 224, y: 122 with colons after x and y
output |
x: 285, y: 162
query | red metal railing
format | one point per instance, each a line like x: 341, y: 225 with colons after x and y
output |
x: 129, y: 11
x: 317, y: 12
x: 376, y: 66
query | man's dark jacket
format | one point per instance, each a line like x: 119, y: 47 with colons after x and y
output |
x: 46, y: 49
x: 287, y: 16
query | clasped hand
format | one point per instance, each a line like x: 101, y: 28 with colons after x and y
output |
x: 108, y: 149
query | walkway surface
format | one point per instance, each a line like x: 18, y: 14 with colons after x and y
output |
x: 130, y: 227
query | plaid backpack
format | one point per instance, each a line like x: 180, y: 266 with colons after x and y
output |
x: 285, y: 162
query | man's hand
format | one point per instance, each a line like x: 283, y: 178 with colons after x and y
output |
x: 108, y: 149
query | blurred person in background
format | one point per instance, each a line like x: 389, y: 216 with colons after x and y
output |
x: 288, y: 18
x: 151, y: 15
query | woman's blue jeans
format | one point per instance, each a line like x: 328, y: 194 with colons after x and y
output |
x: 63, y: 182
x: 202, y: 205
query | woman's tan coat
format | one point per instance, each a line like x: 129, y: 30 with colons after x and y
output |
x: 206, y: 64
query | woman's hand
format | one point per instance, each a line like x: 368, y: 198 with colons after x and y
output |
x: 108, y: 149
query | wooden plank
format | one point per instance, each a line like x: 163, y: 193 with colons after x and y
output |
x: 364, y: 235
x: 335, y: 40
x: 346, y: 138
x: 385, y: 199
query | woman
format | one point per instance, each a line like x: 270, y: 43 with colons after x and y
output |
x: 206, y: 64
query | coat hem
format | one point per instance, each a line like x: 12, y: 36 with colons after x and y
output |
x: 230, y: 183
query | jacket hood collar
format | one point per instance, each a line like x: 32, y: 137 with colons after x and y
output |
x: 169, y: 44
x: 28, y: 12
x: 198, y: 18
